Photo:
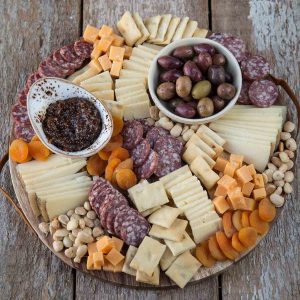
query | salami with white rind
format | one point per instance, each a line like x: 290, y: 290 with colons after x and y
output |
x: 111, y: 215
x: 140, y: 153
x: 255, y: 68
x: 68, y: 53
x: 263, y: 93
x: 132, y: 134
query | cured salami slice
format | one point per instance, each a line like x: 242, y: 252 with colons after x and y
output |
x: 111, y: 215
x: 236, y: 46
x: 263, y: 93
x: 120, y: 217
x: 57, y: 57
x: 83, y: 49
x: 140, y: 153
x: 168, y: 142
x: 219, y: 37
x: 22, y: 97
x: 47, y: 68
x: 146, y: 126
x: 154, y: 134
x: 32, y: 79
x: 255, y: 68
x: 23, y: 131
x: 19, y: 113
x: 134, y: 229
x: 149, y: 166
x: 244, y: 97
x: 132, y: 134
x: 69, y: 55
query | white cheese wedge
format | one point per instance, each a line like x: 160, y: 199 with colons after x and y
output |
x: 129, y: 82
x: 132, y: 74
x: 179, y: 247
x: 61, y: 196
x: 180, y: 29
x: 94, y: 87
x: 148, y: 49
x: 164, y: 216
x: 204, y: 231
x: 210, y: 216
x: 128, y: 89
x: 131, y: 252
x: 190, y: 29
x: 137, y: 111
x: 77, y: 73
x: 171, y: 30
x: 102, y: 77
x: 135, y: 66
x: 167, y: 259
x: 153, y: 279
x: 141, y: 61
x: 105, y: 95
x: 134, y: 98
x: 136, y: 51
x: 152, y: 46
x: 90, y: 72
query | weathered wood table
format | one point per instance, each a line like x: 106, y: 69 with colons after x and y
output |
x: 29, y: 31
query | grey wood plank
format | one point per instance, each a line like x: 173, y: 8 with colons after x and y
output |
x: 271, y: 271
x: 29, y: 31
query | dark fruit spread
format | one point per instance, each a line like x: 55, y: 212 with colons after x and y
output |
x: 72, y: 124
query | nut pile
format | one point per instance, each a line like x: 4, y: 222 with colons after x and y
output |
x: 279, y: 173
x: 73, y: 231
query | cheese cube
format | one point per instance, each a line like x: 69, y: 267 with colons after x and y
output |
x: 128, y: 51
x: 118, y: 40
x: 105, y: 62
x: 90, y: 263
x: 251, y: 204
x: 90, y: 34
x: 227, y: 182
x: 116, y: 68
x: 118, y: 243
x: 247, y: 188
x: 105, y: 31
x: 96, y: 51
x: 237, y: 158
x: 236, y: 198
x: 114, y: 257
x: 96, y: 65
x: 258, y: 181
x: 118, y: 268
x: 108, y: 266
x: 98, y: 259
x: 105, y: 43
x: 251, y: 169
x: 105, y: 244
x: 221, y: 205
x: 229, y: 169
x: 92, y: 248
x: 116, y: 53
x: 220, y: 191
x: 259, y: 194
x: 221, y: 163
x: 243, y: 174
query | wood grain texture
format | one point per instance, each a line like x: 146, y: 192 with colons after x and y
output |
x: 29, y: 30
x: 269, y: 28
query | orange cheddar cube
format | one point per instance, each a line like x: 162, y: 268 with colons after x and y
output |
x: 259, y: 194
x: 96, y: 65
x: 236, y: 198
x: 108, y: 266
x: 105, y: 31
x: 90, y: 263
x: 118, y: 243
x: 128, y: 51
x: 116, y: 53
x: 118, y: 268
x: 251, y: 204
x: 92, y: 248
x: 220, y: 191
x: 221, y: 163
x: 90, y: 34
x: 116, y: 68
x: 96, y: 52
x: 114, y: 257
x: 258, y: 181
x: 118, y: 40
x: 243, y: 174
x: 221, y: 205
x: 237, y: 158
x: 230, y: 169
x: 251, y: 169
x: 105, y: 43
x: 247, y: 188
x: 105, y: 62
x: 105, y: 244
x: 98, y: 259
x: 227, y: 182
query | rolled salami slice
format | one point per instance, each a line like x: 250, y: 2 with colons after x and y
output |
x: 19, y: 114
x: 255, y: 68
x: 263, y: 93
x: 244, y: 97
x: 83, y: 49
x: 132, y: 134
x: 23, y: 131
x: 22, y: 97
x: 154, y: 134
x: 140, y: 153
x: 149, y: 166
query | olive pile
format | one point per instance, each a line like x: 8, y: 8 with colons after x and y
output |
x: 194, y: 81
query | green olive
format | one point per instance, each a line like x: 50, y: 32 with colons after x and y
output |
x: 201, y: 89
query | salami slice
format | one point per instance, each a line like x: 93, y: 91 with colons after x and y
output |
x: 57, y: 57
x: 154, y: 134
x: 146, y: 126
x: 134, y: 229
x: 168, y: 142
x: 244, y: 97
x: 23, y: 131
x: 236, y: 46
x: 255, y: 68
x: 46, y: 70
x: 19, y: 113
x: 140, y: 153
x: 219, y: 37
x: 22, y: 97
x: 132, y: 134
x: 120, y: 217
x: 111, y: 215
x: 149, y: 166
x: 32, y: 79
x: 69, y: 55
x: 83, y: 49
x: 263, y: 93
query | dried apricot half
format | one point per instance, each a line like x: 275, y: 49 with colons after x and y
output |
x: 225, y: 245
x: 248, y: 236
x: 215, y: 250
x: 110, y: 168
x: 115, y: 142
x: 204, y: 256
x: 266, y: 210
x: 96, y: 165
x: 236, y: 243
x: 38, y: 151
x: 237, y: 219
x: 18, y: 151
x: 260, y: 226
x: 126, y: 179
x: 120, y: 153
x: 228, y: 227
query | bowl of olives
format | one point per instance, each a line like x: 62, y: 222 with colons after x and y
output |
x: 195, y: 80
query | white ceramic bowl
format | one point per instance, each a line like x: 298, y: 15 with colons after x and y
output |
x: 232, y: 67
x: 48, y: 90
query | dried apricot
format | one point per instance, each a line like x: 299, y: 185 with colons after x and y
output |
x: 126, y: 179
x: 260, y: 226
x: 248, y: 236
x: 215, y: 250
x: 118, y: 125
x: 245, y: 218
x: 110, y: 168
x: 115, y: 142
x: 96, y: 165
x: 266, y: 210
x: 225, y: 246
x: 237, y: 219
x: 125, y: 164
x: 104, y: 155
x: 38, y: 151
x: 203, y: 255
x: 120, y: 153
x: 18, y: 151
x: 35, y: 138
x: 236, y: 243
x: 228, y: 227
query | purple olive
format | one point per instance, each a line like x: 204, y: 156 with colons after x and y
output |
x: 166, y: 91
x: 185, y: 110
x: 219, y: 59
x: 190, y: 69
x: 168, y: 62
x: 184, y: 52
x: 174, y: 102
x: 226, y: 91
x: 219, y: 103
x: 200, y: 48
x: 228, y: 77
x: 216, y: 74
x: 170, y: 75
x: 204, y: 61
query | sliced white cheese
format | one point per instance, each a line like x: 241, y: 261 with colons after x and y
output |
x: 180, y: 29
x: 90, y: 72
x: 152, y: 46
x: 204, y: 231
x: 195, y: 213
x: 131, y: 252
x: 164, y: 216
x: 134, y: 98
x: 195, y: 139
x: 78, y: 72
x: 61, y: 196
x: 173, y: 175
x: 210, y: 216
x: 141, y: 61
x: 137, y: 111
x: 142, y: 53
x: 131, y: 65
x: 102, y: 77
x: 171, y: 30
x: 190, y: 29
x: 128, y: 89
x: 179, y: 247
x: 210, y: 142
x: 148, y: 49
x: 94, y: 87
x: 129, y: 82
x: 132, y: 74
x: 182, y: 190
x: 211, y: 134
x: 189, y: 193
x: 105, y: 95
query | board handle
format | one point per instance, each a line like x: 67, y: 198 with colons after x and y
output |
x: 3, y: 161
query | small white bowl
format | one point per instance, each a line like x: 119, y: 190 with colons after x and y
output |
x: 232, y: 67
x: 48, y: 90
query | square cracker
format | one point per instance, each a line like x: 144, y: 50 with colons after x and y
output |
x: 165, y: 216
x: 180, y: 29
x: 162, y: 29
x: 153, y: 279
x: 142, y: 28
x: 171, y: 30
x: 190, y: 29
x: 131, y: 252
x: 179, y: 247
x: 152, y: 25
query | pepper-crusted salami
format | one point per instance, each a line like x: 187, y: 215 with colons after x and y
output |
x: 263, y: 93
x: 83, y: 49
x: 255, y: 68
x: 244, y: 97
x: 132, y: 134
x: 140, y: 153
x: 23, y: 131
x: 48, y: 69
x: 154, y: 134
x: 149, y: 166
x: 19, y: 113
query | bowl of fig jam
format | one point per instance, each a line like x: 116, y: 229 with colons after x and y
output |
x: 68, y: 119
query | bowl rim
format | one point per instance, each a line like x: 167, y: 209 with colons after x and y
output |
x: 107, y: 121
x: 192, y: 41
